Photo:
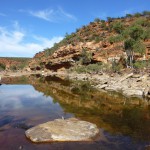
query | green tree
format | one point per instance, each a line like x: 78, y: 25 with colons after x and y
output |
x: 128, y: 45
x: 146, y: 34
x: 136, y: 32
x: 131, y: 46
x: 139, y: 47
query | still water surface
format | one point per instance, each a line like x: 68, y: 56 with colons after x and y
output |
x: 124, y: 123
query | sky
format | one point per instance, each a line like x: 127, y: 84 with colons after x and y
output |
x: 30, y: 26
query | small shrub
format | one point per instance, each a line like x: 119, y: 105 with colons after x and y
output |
x: 21, y: 66
x: 98, y: 39
x: 115, y: 39
x: 142, y: 22
x: 109, y: 19
x: 103, y: 25
x: 102, y: 21
x: 2, y: 67
x: 146, y: 13
x: 77, y: 30
x: 86, y: 57
x: 93, y: 67
x: 125, y: 33
x: 140, y: 64
x: 89, y: 68
x: 116, y: 66
x: 106, y: 28
x: 128, y: 15
x: 13, y: 68
x: 118, y: 27
x: 137, y: 15
x: 97, y: 20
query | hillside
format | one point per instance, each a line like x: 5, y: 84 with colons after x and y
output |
x: 113, y: 44
x: 13, y: 63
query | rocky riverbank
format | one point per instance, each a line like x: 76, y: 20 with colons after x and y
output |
x: 137, y: 85
x: 129, y: 84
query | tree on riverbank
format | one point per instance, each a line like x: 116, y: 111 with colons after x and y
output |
x: 134, y: 44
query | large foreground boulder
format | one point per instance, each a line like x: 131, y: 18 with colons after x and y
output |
x: 63, y: 130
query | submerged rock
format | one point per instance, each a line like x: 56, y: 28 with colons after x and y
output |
x: 63, y: 130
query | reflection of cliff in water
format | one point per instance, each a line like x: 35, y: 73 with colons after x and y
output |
x: 110, y: 111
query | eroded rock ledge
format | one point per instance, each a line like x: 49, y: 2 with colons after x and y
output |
x: 128, y: 84
x: 63, y: 130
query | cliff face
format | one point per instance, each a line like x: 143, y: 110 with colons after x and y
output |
x: 103, y: 41
x: 8, y: 62
x: 13, y: 63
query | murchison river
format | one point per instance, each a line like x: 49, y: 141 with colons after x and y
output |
x: 124, y: 123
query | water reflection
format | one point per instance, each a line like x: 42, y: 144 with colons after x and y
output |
x: 124, y: 123
x: 111, y: 111
x: 20, y: 96
x: 22, y: 101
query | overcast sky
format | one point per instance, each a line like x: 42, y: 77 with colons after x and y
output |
x: 29, y: 26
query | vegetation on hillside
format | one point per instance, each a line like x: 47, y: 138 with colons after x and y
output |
x: 132, y: 31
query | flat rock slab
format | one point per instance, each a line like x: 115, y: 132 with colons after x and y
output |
x: 133, y: 92
x: 63, y: 130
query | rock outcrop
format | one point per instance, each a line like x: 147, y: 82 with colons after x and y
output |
x: 128, y: 84
x: 63, y: 130
x: 99, y: 39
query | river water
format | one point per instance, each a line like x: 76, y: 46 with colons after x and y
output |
x: 124, y: 123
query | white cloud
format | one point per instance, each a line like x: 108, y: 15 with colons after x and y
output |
x: 43, y: 14
x: 52, y: 15
x: 17, y: 27
x: 12, y: 43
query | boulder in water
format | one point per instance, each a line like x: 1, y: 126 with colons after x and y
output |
x: 63, y: 130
